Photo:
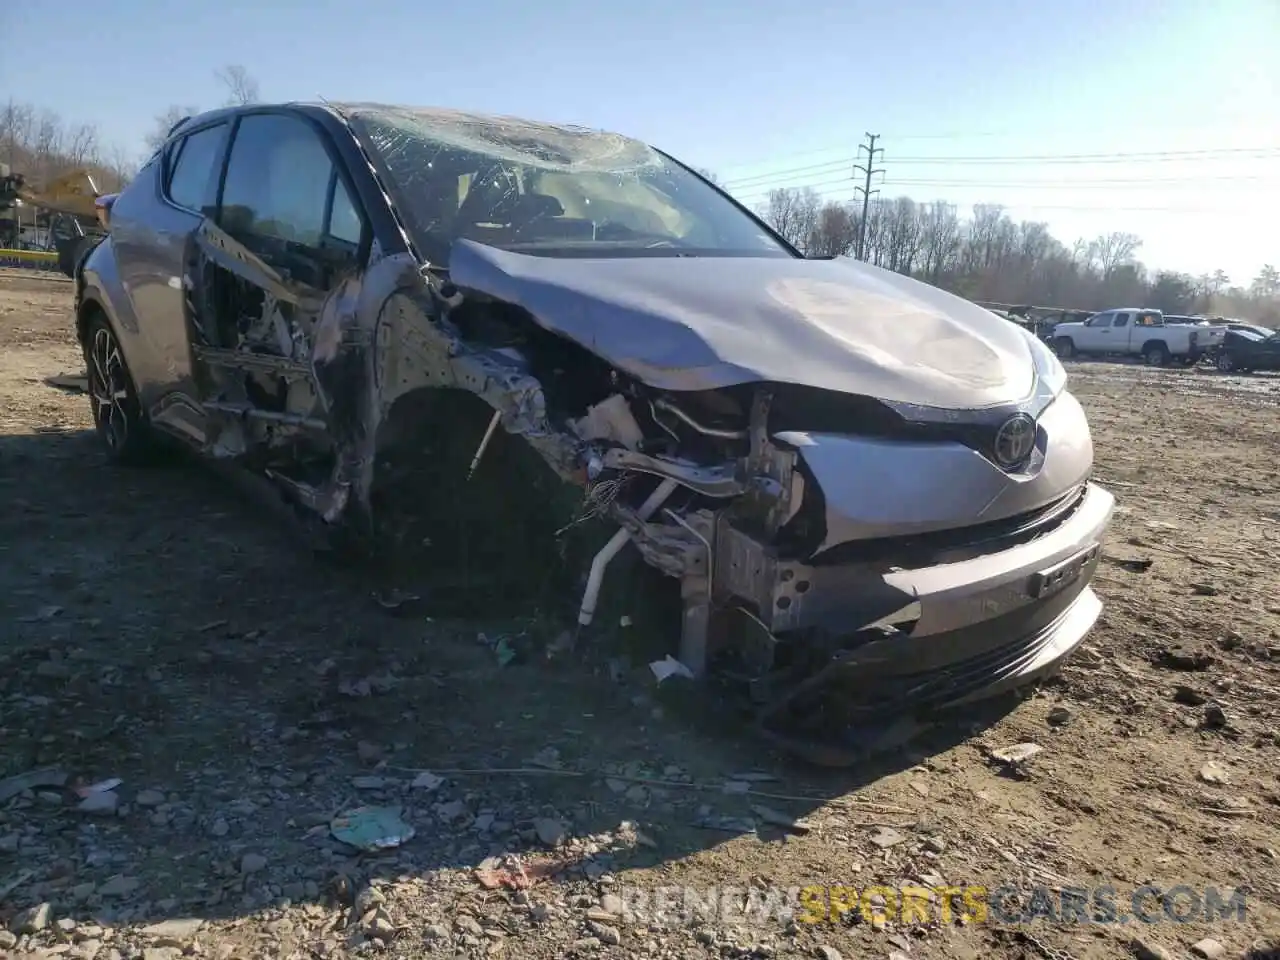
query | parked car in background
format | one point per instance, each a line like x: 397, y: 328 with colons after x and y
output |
x: 890, y: 482
x: 1133, y: 331
x: 1242, y: 326
x: 1248, y: 348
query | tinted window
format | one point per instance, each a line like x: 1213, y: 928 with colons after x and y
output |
x: 192, y: 176
x: 279, y: 182
x: 1101, y: 320
x: 1121, y: 320
x: 550, y: 191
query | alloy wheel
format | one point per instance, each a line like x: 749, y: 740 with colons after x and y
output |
x: 108, y: 389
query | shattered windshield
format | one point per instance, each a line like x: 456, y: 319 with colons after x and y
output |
x: 548, y: 191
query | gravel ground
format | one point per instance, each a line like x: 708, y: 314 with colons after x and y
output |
x: 160, y: 631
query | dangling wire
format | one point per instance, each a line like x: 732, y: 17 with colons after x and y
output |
x: 599, y: 497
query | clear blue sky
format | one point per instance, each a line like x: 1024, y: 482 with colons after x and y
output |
x: 765, y: 93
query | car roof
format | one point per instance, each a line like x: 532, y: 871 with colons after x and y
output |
x: 515, y: 137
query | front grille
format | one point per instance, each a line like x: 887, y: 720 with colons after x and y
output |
x: 926, y: 548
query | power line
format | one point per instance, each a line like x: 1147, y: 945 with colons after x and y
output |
x: 1031, y: 135
x: 1128, y: 183
x: 1084, y: 184
x: 1164, y: 156
x: 869, y: 170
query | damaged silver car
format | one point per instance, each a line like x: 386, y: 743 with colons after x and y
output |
x: 873, y: 496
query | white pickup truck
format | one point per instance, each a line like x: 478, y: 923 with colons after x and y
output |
x: 1138, y: 332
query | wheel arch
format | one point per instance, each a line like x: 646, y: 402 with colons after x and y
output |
x: 88, y: 308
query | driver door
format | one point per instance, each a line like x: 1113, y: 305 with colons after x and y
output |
x: 287, y: 230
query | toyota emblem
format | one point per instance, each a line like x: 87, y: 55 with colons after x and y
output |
x: 1014, y: 441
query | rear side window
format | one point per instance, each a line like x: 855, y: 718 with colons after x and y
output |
x: 193, y: 168
x: 282, y: 185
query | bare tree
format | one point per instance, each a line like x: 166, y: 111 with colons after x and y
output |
x: 793, y: 213
x: 165, y: 122
x: 1113, y: 250
x: 82, y: 143
x: 834, y: 233
x: 241, y: 87
x: 939, y: 239
x: 707, y: 175
x: 902, y: 235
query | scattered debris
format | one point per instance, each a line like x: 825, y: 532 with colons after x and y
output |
x: 1017, y: 755
x: 1132, y: 564
x: 1209, y: 949
x: 886, y: 837
x: 1059, y: 717
x: 102, y: 786
x: 777, y: 818
x: 505, y: 653
x: 72, y: 382
x: 670, y: 667
x: 371, y: 828
x: 711, y: 821
x: 548, y: 758
x: 1204, y: 590
x: 427, y: 781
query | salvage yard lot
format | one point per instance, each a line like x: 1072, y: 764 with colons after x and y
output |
x: 159, y: 630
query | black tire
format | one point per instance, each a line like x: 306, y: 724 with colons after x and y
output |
x: 1064, y: 347
x: 1155, y: 354
x: 121, y: 424
x: 1226, y: 363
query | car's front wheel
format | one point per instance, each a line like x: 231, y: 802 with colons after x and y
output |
x: 1064, y: 347
x: 1226, y: 362
x: 117, y: 414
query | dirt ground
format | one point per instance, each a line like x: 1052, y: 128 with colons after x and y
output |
x: 160, y: 630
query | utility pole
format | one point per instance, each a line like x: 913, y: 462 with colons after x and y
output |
x: 866, y: 190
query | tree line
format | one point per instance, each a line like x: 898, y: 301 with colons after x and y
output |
x: 990, y: 257
x: 41, y: 145
x: 986, y: 256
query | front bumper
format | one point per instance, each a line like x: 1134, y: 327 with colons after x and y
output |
x: 988, y: 617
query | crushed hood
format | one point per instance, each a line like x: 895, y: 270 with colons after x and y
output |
x: 697, y: 323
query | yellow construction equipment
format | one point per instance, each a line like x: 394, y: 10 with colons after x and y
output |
x: 76, y: 221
